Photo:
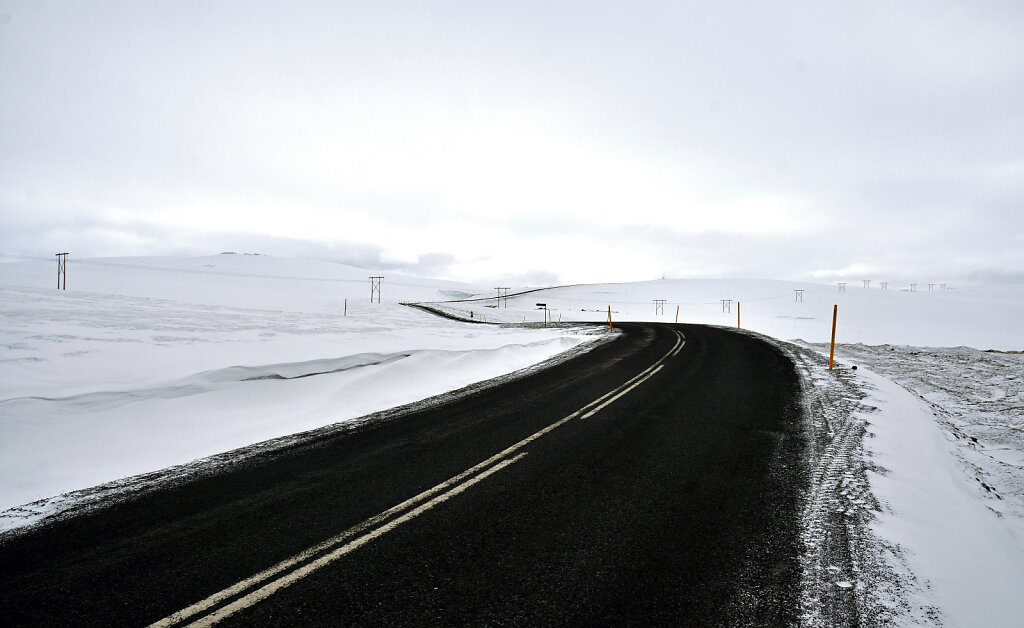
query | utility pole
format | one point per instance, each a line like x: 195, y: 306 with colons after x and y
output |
x: 867, y: 283
x: 885, y: 285
x: 62, y: 270
x: 502, y: 294
x: 375, y: 287
x: 913, y: 287
x: 842, y: 286
x: 798, y: 296
x: 726, y: 305
x: 659, y: 306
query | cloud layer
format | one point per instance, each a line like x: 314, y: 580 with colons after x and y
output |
x: 573, y: 141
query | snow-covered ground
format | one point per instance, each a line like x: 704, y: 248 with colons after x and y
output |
x: 945, y: 449
x: 147, y: 363
x: 915, y: 513
x: 909, y: 521
x: 981, y: 316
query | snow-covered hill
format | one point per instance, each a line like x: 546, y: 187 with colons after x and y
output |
x: 146, y: 363
x: 980, y: 316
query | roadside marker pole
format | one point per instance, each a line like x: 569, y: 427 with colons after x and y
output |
x: 346, y: 307
x: 737, y: 315
x: 610, y: 318
x: 832, y: 350
x: 677, y: 314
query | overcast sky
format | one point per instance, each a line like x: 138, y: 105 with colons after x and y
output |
x: 528, y: 142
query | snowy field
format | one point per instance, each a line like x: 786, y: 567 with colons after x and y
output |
x: 900, y: 529
x: 946, y: 453
x: 916, y: 510
x: 984, y: 317
x: 147, y: 363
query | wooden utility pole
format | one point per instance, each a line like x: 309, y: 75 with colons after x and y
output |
x: 375, y: 287
x: 502, y: 294
x: 62, y: 270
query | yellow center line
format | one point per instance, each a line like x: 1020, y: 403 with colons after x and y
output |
x: 435, y: 495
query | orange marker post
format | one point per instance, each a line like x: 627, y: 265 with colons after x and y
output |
x: 610, y: 318
x: 832, y: 350
x: 737, y: 315
x: 677, y: 314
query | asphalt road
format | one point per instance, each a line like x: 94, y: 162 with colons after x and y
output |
x: 650, y: 481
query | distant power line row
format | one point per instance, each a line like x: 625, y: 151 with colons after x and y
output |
x: 885, y: 286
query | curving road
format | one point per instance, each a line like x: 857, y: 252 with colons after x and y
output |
x: 654, y: 480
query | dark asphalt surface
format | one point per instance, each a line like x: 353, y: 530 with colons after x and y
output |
x: 676, y: 504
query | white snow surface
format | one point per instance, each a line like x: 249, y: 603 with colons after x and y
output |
x: 145, y: 363
x: 980, y: 316
x: 969, y: 558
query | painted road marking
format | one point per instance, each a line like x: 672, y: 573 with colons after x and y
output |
x: 358, y: 533
x: 603, y: 405
x: 269, y: 589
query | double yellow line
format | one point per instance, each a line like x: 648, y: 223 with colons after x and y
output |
x: 269, y: 581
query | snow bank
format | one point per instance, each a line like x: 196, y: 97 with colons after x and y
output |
x: 59, y: 444
x: 977, y: 400
x: 899, y: 527
x: 147, y: 363
x: 972, y: 566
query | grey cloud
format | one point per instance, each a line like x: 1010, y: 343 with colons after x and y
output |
x: 886, y: 116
